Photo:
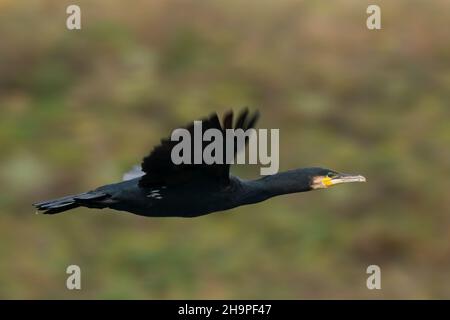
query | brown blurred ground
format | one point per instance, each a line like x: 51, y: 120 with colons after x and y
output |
x: 77, y: 108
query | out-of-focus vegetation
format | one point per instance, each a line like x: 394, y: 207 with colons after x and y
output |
x: 77, y: 108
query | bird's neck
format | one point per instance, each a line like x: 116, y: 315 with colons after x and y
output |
x: 278, y: 184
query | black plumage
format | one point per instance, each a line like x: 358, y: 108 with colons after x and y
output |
x: 159, y: 188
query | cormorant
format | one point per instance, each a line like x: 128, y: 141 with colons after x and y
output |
x: 159, y: 188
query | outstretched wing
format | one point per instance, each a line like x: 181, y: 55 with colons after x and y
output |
x: 160, y: 170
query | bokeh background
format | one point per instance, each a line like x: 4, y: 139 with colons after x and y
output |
x: 78, y: 108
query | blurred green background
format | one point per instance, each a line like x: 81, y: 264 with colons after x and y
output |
x: 78, y: 108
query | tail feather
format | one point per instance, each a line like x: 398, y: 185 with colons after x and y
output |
x: 88, y: 199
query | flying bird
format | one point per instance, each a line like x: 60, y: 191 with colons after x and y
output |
x: 160, y: 188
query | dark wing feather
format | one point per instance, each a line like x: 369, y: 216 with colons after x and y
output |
x: 160, y: 170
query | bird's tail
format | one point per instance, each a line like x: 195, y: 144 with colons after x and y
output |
x: 91, y: 199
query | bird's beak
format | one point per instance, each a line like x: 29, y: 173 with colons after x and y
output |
x: 344, y: 178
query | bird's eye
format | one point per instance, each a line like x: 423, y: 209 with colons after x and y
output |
x: 331, y: 174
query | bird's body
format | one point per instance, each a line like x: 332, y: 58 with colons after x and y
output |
x: 189, y: 200
x: 163, y: 189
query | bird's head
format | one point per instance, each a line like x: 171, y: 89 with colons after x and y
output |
x: 321, y: 178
